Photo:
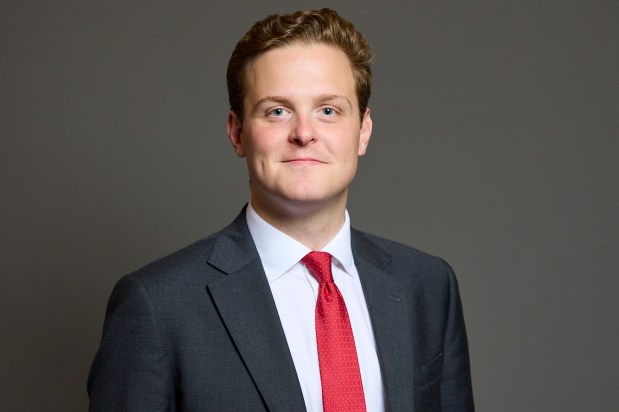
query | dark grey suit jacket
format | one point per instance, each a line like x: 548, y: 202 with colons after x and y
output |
x: 199, y: 331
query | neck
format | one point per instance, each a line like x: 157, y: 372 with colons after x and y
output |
x: 314, y: 228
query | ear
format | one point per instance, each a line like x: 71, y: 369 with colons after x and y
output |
x: 235, y: 133
x: 366, y: 132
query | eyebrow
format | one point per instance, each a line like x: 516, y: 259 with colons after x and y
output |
x: 271, y: 99
x: 323, y: 98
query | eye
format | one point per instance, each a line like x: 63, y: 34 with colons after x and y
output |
x: 277, y: 112
x: 328, y: 111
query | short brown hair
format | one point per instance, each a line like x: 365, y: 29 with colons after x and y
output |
x: 323, y: 26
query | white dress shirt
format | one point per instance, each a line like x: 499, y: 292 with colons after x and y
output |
x: 295, y: 292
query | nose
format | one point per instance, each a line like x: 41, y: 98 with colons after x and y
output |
x: 302, y: 132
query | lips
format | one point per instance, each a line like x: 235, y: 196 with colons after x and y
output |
x: 303, y: 160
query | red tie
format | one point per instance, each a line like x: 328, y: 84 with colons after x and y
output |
x: 342, y: 390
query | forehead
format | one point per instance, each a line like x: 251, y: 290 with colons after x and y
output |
x: 300, y: 69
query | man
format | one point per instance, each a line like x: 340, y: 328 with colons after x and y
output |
x: 288, y: 308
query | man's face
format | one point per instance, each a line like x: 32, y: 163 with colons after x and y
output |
x: 302, y: 131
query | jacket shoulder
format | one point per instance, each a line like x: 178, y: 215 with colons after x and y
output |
x: 396, y: 251
x: 177, y: 272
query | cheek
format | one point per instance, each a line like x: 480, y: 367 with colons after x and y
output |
x: 259, y: 147
x: 252, y: 140
x: 348, y: 147
x: 263, y: 138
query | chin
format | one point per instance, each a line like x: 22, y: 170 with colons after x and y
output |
x: 313, y: 200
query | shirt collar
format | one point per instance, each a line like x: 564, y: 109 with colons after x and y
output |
x: 279, y: 252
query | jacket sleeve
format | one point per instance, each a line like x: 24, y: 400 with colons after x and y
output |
x: 456, y: 388
x: 131, y: 370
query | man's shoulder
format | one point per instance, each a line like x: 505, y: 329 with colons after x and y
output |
x: 182, y: 265
x: 194, y: 261
x: 186, y: 258
x: 400, y: 259
x: 392, y: 248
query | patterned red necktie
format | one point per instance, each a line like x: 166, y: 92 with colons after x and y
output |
x: 342, y: 390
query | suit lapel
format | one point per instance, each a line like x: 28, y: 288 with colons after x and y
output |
x: 247, y: 308
x: 391, y: 321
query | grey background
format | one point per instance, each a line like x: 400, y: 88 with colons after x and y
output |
x: 495, y: 147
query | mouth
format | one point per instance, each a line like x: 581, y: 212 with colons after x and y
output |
x: 303, y: 161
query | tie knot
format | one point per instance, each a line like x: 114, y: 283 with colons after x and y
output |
x: 319, y: 265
